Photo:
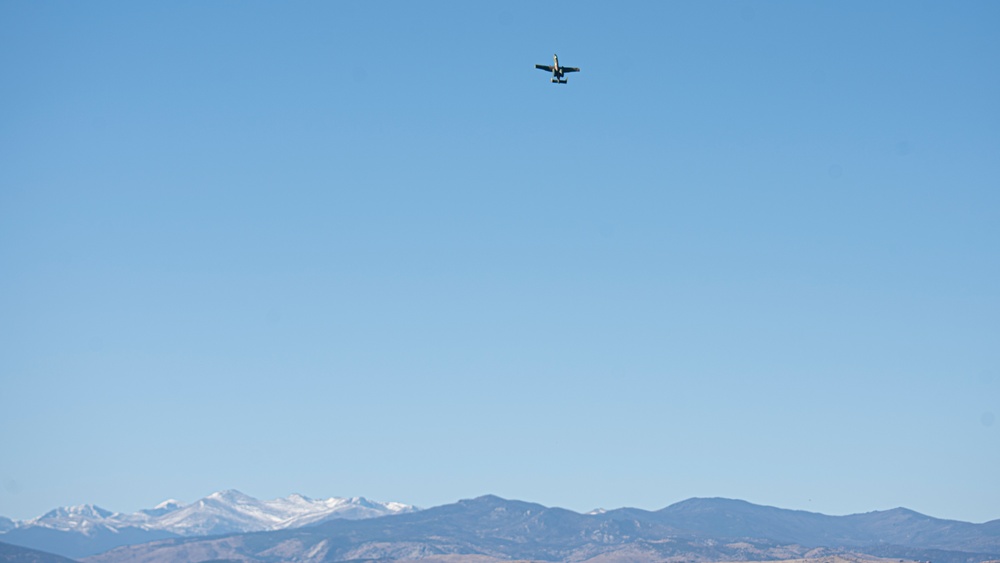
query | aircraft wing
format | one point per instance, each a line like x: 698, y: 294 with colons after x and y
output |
x: 543, y: 67
x: 569, y: 69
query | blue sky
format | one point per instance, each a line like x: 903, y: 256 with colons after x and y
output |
x: 750, y: 251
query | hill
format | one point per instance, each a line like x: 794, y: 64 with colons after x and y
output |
x: 698, y: 530
x: 17, y: 554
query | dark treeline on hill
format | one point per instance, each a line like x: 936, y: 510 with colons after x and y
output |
x: 696, y: 530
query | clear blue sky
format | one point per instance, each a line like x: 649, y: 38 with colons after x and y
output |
x: 752, y: 250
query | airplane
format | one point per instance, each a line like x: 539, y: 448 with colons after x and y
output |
x: 557, y: 71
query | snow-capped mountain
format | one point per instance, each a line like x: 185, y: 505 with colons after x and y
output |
x: 219, y: 513
x: 223, y: 512
x: 82, y: 518
x: 162, y: 508
x: 232, y: 511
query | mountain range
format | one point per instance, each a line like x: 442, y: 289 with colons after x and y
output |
x: 489, y: 529
x: 79, y: 531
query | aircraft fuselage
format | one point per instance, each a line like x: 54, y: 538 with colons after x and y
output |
x: 558, y: 72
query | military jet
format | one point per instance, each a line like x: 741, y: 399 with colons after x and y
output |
x: 557, y: 71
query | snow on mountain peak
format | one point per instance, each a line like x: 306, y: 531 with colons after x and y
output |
x: 228, y: 511
x: 231, y: 496
x: 168, y: 504
x: 80, y: 518
x: 162, y: 508
x: 79, y: 512
x: 398, y: 507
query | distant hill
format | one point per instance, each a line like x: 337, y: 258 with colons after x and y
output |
x: 697, y: 530
x: 76, y: 545
x: 17, y: 554
x: 899, y: 526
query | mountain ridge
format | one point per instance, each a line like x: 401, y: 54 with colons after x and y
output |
x: 490, y: 526
x: 297, y: 528
x: 87, y: 529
